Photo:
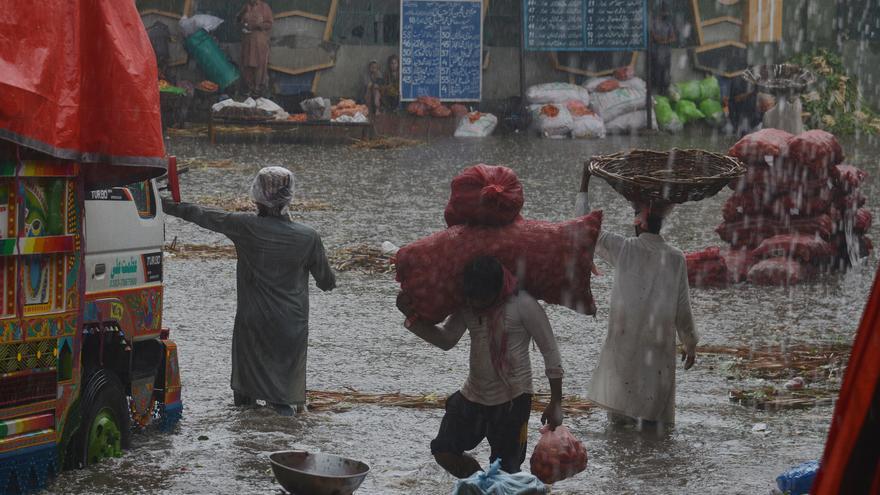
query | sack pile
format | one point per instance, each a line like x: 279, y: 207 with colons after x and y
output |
x: 428, y: 105
x: 552, y: 261
x: 619, y: 100
x: 798, y: 210
x: 348, y: 108
x: 690, y: 102
x: 561, y: 110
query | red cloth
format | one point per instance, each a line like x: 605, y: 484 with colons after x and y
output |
x: 551, y: 260
x: 852, y: 419
x: 78, y: 81
x: 804, y: 248
x: 754, y: 147
x: 817, y: 150
x: 484, y: 195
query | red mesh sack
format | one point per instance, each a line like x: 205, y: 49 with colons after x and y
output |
x: 441, y: 111
x: 751, y: 231
x: 754, y: 147
x: 817, y: 150
x: 484, y: 195
x: 849, y: 202
x: 776, y: 271
x: 552, y: 261
x: 742, y: 204
x: 738, y: 262
x: 558, y: 455
x: 848, y: 177
x: 417, y: 108
x: 796, y: 205
x: 862, y: 221
x: 430, y: 101
x: 459, y: 110
x: 706, y: 268
x: 804, y: 248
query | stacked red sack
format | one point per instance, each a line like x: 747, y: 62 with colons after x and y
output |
x: 793, y: 208
x: 428, y: 105
x: 552, y: 261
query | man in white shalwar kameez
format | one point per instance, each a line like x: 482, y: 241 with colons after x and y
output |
x: 650, y: 304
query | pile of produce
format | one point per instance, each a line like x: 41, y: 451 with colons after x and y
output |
x: 798, y: 211
x: 690, y: 102
x: 619, y: 101
x: 361, y: 258
x: 835, y: 104
x: 429, y: 105
x: 208, y: 86
x: 561, y: 110
x: 348, y: 108
x: 552, y: 261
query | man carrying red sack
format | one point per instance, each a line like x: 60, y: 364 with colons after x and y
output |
x: 650, y: 303
x: 495, y: 401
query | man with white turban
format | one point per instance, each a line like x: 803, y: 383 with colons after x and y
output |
x: 275, y: 258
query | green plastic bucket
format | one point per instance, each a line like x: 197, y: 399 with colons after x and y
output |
x: 211, y: 59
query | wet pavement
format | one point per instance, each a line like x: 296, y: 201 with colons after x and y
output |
x: 357, y: 339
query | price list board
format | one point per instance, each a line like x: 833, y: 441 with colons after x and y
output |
x: 585, y: 25
x: 441, y: 46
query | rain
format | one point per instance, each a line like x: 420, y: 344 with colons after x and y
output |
x: 748, y: 127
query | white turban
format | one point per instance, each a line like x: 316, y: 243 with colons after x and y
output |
x: 273, y: 188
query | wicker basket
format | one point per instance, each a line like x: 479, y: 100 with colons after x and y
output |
x: 672, y: 176
x: 780, y: 79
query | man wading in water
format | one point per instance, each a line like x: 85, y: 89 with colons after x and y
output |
x: 650, y: 303
x: 275, y: 258
x: 495, y: 401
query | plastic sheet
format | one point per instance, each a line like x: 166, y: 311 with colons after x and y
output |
x: 93, y: 99
x: 497, y: 482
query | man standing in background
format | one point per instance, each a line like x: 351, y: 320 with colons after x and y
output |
x: 662, y: 37
x: 255, y: 18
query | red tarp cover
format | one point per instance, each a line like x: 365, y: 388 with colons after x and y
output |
x: 850, y: 463
x: 78, y: 81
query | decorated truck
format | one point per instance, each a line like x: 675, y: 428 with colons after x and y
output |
x: 84, y: 358
x: 83, y: 354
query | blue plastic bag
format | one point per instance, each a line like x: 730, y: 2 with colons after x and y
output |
x: 799, y: 479
x: 497, y: 482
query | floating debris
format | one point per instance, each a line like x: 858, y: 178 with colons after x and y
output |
x: 811, y: 362
x: 342, y: 401
x: 202, y: 130
x: 361, y: 258
x: 768, y: 397
x: 246, y: 204
x: 199, y: 251
x: 385, y: 143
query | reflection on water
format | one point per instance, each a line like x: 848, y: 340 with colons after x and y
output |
x: 357, y: 340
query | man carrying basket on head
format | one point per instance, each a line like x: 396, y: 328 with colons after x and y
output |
x: 650, y: 303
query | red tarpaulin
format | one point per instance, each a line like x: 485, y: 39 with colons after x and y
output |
x: 78, y: 81
x: 851, y: 463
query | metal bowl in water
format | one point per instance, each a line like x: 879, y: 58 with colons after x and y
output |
x: 306, y: 473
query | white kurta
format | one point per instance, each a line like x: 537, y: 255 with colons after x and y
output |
x: 650, y: 303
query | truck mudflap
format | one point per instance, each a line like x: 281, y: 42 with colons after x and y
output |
x: 170, y: 405
x: 27, y: 470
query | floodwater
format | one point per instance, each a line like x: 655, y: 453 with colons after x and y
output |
x: 357, y: 340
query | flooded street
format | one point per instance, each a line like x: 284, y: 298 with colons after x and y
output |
x: 357, y: 340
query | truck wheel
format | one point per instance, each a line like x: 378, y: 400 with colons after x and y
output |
x: 104, y: 430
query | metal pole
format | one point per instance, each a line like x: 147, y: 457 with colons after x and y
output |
x: 522, y: 53
x: 649, y: 104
